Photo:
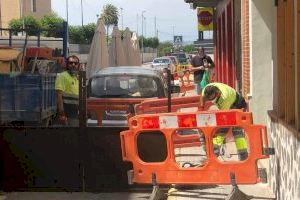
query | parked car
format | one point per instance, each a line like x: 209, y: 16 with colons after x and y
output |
x: 164, y: 62
x: 181, y: 57
x: 115, y: 91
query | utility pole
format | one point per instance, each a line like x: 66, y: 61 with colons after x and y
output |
x: 173, y: 35
x: 81, y: 14
x: 122, y: 17
x: 67, y: 8
x: 142, y: 42
x: 173, y: 31
x: 137, y: 24
x: 21, y: 14
x: 155, y: 27
x: 145, y: 27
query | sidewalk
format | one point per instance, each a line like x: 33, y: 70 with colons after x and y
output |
x: 220, y: 192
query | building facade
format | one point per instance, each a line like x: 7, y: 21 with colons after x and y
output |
x: 257, y: 50
x: 14, y: 9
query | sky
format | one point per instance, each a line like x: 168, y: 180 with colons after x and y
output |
x: 170, y: 15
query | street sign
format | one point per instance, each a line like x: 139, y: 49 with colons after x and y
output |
x: 177, y: 40
x: 205, y: 19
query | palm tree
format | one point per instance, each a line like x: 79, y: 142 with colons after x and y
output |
x: 110, y: 16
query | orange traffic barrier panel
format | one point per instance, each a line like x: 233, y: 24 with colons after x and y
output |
x: 151, y: 145
x: 183, y: 67
x: 178, y: 104
x: 100, y: 105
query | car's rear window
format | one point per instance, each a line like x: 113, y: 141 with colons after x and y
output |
x: 161, y: 61
x: 124, y: 86
x: 181, y: 56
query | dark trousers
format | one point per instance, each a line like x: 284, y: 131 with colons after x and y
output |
x: 239, y: 103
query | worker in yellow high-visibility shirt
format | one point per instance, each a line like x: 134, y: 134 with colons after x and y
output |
x: 225, y: 98
x: 67, y: 92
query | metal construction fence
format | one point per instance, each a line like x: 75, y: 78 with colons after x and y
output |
x: 62, y: 159
x: 20, y: 38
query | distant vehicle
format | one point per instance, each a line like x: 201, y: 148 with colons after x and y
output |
x: 181, y: 57
x: 174, y: 60
x: 164, y: 62
x: 123, y: 85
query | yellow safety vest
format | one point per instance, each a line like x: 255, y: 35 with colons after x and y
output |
x: 227, y: 98
x: 69, y: 85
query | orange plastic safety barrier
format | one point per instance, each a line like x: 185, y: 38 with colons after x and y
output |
x: 168, y: 171
x: 99, y: 105
x: 161, y: 105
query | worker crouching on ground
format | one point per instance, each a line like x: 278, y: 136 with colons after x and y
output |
x: 225, y: 97
x: 67, y: 91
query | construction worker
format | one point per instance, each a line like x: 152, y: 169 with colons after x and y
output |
x: 225, y: 97
x: 67, y: 92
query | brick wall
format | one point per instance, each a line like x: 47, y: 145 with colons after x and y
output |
x: 245, y: 48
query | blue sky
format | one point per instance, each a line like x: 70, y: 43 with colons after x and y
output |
x: 168, y: 13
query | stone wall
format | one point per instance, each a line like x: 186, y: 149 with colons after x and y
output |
x: 284, y: 173
x: 148, y: 57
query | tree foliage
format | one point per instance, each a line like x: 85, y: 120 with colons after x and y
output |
x: 188, y: 48
x: 53, y: 23
x: 75, y: 35
x: 152, y: 42
x: 30, y: 23
x: 110, y: 16
x: 165, y: 48
x: 89, y: 31
x: 16, y: 25
x: 82, y: 34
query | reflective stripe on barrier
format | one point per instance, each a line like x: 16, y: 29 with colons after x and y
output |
x: 200, y: 119
x: 213, y: 171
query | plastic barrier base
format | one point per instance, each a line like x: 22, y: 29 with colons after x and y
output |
x: 237, y: 194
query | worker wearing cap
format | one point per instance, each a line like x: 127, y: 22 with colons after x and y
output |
x: 67, y: 92
x: 225, y: 97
